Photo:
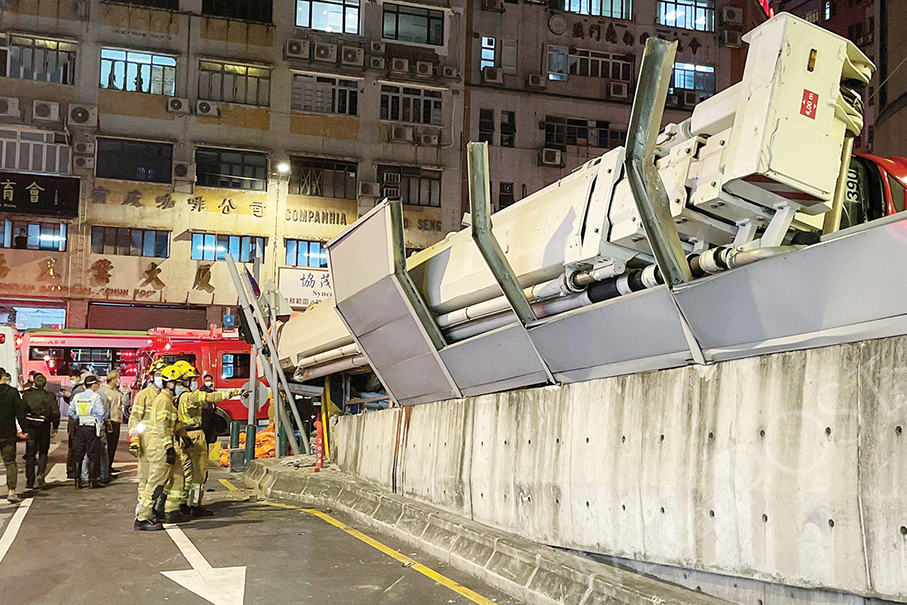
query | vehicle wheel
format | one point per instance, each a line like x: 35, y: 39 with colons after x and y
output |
x: 221, y: 427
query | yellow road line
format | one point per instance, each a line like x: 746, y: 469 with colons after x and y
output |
x: 228, y: 485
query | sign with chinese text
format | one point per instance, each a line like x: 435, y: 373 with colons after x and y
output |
x: 302, y: 286
x: 39, y: 194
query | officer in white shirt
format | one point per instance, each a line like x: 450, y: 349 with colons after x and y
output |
x: 88, y: 412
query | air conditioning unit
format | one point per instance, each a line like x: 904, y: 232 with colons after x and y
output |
x: 507, y: 188
x: 369, y: 189
x: 184, y: 171
x: 535, y: 81
x: 425, y: 69
x: 493, y: 5
x: 326, y: 52
x: 731, y: 15
x: 178, y: 105
x: 690, y: 98
x: 377, y: 63
x: 619, y: 91
x: 352, y: 55
x: 402, y: 133
x: 492, y: 75
x: 85, y: 116
x: 81, y: 8
x: 673, y: 101
x: 450, y: 72
x: 391, y: 192
x: 429, y: 139
x: 9, y: 107
x: 207, y: 108
x: 390, y: 178
x: 83, y: 162
x: 296, y: 49
x: 83, y: 148
x: 376, y: 47
x: 46, y: 111
x: 550, y: 157
x: 400, y: 66
x: 730, y: 38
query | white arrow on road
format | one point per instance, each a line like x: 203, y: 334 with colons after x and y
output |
x: 224, y: 586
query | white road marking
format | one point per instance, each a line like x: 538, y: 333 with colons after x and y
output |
x: 13, y: 528
x: 224, y: 586
x: 56, y: 474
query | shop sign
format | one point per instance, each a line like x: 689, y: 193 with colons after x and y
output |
x: 39, y: 194
x: 302, y: 286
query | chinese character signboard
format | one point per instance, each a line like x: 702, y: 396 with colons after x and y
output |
x: 302, y: 286
x: 39, y: 194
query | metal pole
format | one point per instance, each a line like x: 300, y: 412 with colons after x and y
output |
x: 833, y: 217
x: 234, y: 434
x: 645, y: 182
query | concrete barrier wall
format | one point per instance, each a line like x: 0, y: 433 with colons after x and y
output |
x: 788, y: 468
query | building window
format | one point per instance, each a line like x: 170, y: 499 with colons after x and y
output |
x: 412, y: 24
x: 171, y: 5
x: 557, y: 63
x: 687, y: 14
x: 210, y: 246
x: 561, y: 132
x: 323, y: 178
x: 304, y: 253
x: 413, y: 105
x: 812, y: 16
x: 138, y: 72
x: 508, y: 56
x: 486, y: 126
x: 257, y: 11
x: 232, y: 83
x: 336, y: 16
x: 235, y: 365
x: 596, y: 64
x: 487, y: 59
x: 410, y: 184
x: 614, y: 9
x: 231, y: 169
x: 134, y: 160
x: 325, y: 95
x: 700, y: 78
x: 508, y: 129
x: 34, y: 151
x: 505, y: 195
x: 41, y: 60
x: 130, y: 242
x: 25, y: 235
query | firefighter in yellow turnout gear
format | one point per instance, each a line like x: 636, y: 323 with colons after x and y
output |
x: 192, y: 447
x: 139, y: 419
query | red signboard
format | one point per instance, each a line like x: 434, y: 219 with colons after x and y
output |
x: 808, y: 104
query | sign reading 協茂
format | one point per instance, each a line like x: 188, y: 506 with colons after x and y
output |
x: 39, y: 194
x: 302, y: 286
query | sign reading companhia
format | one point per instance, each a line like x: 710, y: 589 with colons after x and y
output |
x: 302, y: 286
x: 324, y: 217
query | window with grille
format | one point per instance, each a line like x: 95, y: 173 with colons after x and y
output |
x: 305, y: 253
x: 41, y: 59
x: 34, y: 151
x: 698, y: 15
x: 130, y: 242
x: 614, y: 9
x: 214, y: 247
x: 486, y: 126
x: 257, y: 11
x: 231, y: 83
x: 561, y: 132
x: 411, y: 185
x: 25, y: 235
x: 412, y: 105
x: 487, y: 58
x: 812, y: 16
x: 138, y: 71
x: 325, y: 95
x: 131, y: 160
x: 596, y: 64
x: 231, y: 169
x: 508, y: 128
x: 323, y: 178
x: 335, y: 16
x: 699, y: 78
x: 413, y: 24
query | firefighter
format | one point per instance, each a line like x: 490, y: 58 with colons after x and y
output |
x: 192, y: 446
x: 138, y: 418
x: 163, y: 471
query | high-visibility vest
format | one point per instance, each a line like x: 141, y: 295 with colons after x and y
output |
x: 84, y: 406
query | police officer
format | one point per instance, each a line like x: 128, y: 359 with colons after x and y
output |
x: 42, y: 418
x: 88, y: 413
x: 192, y: 446
x: 139, y: 419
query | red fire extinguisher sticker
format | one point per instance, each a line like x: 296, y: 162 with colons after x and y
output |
x: 809, y: 104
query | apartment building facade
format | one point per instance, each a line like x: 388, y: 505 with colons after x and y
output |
x: 140, y: 141
x: 550, y: 84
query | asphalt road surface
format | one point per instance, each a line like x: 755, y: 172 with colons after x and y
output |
x: 62, y: 545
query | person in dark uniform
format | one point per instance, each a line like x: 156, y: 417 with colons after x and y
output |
x: 42, y: 418
x: 11, y: 411
x: 209, y: 414
x: 75, y: 377
x: 20, y: 242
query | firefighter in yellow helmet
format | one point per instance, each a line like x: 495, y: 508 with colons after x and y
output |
x: 160, y: 451
x: 192, y: 446
x: 139, y: 418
